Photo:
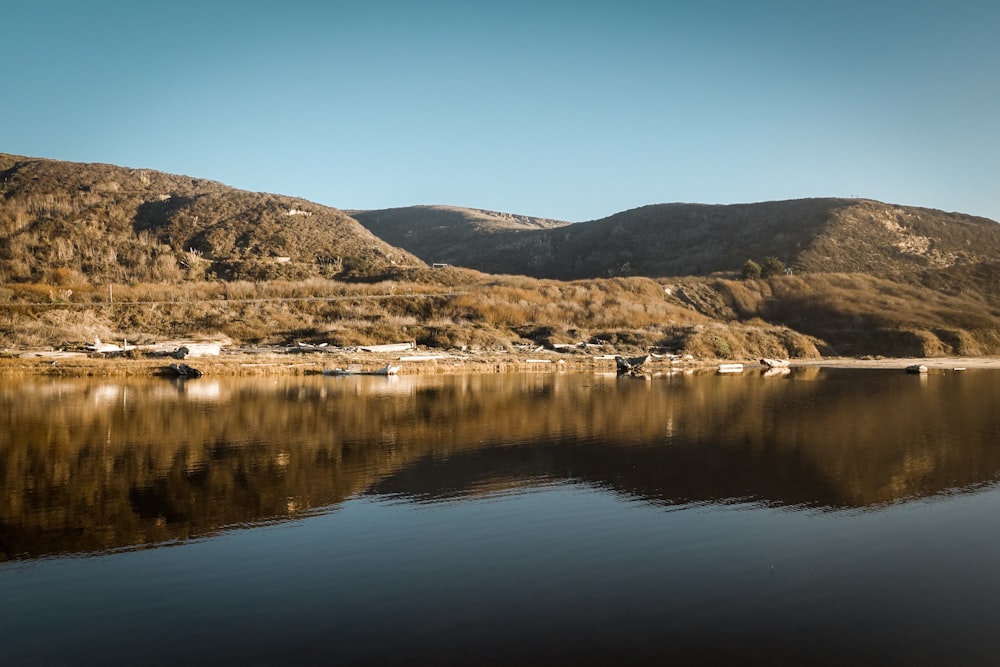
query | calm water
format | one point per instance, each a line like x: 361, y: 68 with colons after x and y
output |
x: 819, y: 517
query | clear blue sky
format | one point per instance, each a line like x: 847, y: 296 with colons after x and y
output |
x: 569, y: 110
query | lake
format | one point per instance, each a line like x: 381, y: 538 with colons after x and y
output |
x: 817, y: 516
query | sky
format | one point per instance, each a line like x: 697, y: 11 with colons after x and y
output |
x: 565, y: 110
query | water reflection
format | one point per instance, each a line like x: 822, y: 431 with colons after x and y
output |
x: 91, y: 465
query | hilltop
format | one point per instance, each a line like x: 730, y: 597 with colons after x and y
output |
x: 68, y: 223
x: 445, y: 233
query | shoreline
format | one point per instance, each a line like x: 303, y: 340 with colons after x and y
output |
x: 901, y: 363
x: 251, y: 363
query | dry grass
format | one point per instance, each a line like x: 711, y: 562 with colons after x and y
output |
x: 787, y: 316
x: 736, y: 341
x: 489, y: 312
x: 858, y: 314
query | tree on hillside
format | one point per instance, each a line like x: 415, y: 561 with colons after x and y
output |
x: 771, y: 266
x: 751, y: 270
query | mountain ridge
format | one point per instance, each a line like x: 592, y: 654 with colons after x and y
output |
x: 813, y: 235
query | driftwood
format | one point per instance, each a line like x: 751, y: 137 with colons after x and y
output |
x: 631, y: 365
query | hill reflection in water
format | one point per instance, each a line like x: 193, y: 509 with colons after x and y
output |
x: 93, y: 465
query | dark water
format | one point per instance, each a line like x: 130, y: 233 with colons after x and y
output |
x: 820, y: 517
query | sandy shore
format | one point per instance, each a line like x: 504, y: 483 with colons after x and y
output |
x: 943, y: 363
x: 242, y: 362
x: 237, y: 363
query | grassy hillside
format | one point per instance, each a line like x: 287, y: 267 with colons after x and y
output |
x: 946, y: 251
x: 444, y: 308
x: 657, y: 240
x: 854, y: 314
x: 799, y: 316
x: 63, y: 223
x: 949, y: 252
x: 442, y: 233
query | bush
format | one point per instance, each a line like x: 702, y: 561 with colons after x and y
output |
x: 751, y: 270
x: 771, y: 266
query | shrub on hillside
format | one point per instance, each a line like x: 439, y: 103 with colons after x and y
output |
x: 751, y: 270
x: 743, y: 342
x: 771, y: 266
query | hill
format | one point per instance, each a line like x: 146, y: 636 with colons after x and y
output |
x: 443, y: 233
x: 937, y: 249
x: 65, y: 222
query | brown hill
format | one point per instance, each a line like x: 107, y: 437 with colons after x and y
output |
x: 941, y: 250
x: 66, y: 222
x: 442, y: 233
